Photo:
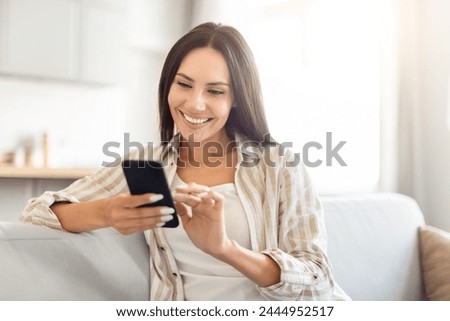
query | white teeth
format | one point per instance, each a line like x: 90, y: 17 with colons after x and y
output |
x: 195, y: 120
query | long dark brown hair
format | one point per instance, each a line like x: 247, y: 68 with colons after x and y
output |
x: 247, y: 117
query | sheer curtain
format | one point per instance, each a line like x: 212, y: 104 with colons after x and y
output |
x: 415, y: 148
x: 424, y: 137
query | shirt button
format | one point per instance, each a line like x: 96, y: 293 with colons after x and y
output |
x: 162, y: 248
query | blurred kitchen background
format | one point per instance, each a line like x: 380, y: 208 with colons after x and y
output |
x: 76, y: 74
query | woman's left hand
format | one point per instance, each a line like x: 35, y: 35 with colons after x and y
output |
x: 206, y: 226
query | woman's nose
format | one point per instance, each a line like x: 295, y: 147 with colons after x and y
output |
x: 196, y: 102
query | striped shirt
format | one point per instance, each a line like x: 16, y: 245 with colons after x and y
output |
x: 281, y: 205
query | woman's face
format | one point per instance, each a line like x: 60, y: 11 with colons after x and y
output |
x: 200, y: 97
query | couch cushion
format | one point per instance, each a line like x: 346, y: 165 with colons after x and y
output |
x: 435, y: 253
x: 100, y: 265
x: 373, y: 245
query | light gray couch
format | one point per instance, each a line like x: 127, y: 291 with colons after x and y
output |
x: 372, y: 243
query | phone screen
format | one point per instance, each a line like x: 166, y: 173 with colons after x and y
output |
x: 145, y: 176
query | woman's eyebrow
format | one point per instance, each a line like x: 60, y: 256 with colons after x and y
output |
x: 215, y: 83
x: 185, y: 76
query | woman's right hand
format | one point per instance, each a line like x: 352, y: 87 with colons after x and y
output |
x: 123, y: 213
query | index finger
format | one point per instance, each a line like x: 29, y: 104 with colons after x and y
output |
x: 192, y: 188
x: 132, y: 201
x: 217, y: 197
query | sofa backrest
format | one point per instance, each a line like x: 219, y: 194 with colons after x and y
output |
x: 373, y: 245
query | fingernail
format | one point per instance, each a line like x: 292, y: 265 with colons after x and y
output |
x: 156, y: 197
x: 167, y: 210
x: 160, y: 224
x: 166, y: 218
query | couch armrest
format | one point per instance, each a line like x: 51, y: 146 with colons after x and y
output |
x: 373, y: 244
x: 39, y: 263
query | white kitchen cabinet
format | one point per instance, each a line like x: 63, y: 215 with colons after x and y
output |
x: 15, y: 193
x: 102, y: 41
x: 18, y: 185
x: 77, y: 40
x: 38, y: 37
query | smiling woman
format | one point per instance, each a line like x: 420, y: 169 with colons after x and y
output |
x: 200, y: 97
x: 240, y: 75
x: 249, y: 232
x: 200, y: 100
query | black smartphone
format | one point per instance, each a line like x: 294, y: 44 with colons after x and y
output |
x: 145, y: 176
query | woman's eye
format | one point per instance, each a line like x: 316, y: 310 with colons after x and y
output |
x: 215, y: 92
x: 183, y: 84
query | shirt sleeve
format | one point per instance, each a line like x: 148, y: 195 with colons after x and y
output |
x: 104, y: 183
x: 306, y: 272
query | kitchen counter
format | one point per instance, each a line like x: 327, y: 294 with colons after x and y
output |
x: 43, y: 173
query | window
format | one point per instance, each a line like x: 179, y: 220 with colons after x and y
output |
x: 319, y: 63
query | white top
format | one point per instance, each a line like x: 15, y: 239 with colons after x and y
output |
x: 204, y: 277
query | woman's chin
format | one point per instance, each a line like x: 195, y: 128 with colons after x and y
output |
x: 202, y: 135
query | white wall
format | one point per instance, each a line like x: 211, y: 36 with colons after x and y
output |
x: 78, y: 119
x: 81, y: 118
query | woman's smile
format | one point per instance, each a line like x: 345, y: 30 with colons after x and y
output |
x: 195, y: 120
